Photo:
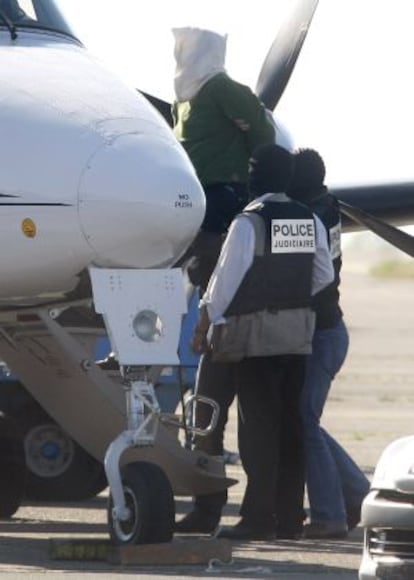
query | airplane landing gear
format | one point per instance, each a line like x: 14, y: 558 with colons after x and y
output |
x: 141, y: 507
x: 143, y: 311
x: 150, y: 502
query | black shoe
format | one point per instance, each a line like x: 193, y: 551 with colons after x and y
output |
x: 197, y: 522
x: 287, y: 534
x: 325, y: 531
x: 353, y: 517
x: 244, y: 531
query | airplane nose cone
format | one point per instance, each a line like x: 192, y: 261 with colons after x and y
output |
x: 140, y: 202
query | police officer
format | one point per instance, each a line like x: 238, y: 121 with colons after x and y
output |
x: 258, y: 301
x: 336, y: 486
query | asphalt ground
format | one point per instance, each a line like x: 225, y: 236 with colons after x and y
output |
x: 371, y: 403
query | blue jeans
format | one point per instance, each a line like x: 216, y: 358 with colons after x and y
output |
x: 334, y: 482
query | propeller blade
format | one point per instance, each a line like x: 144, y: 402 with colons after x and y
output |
x: 162, y: 106
x: 283, y: 53
x: 392, y: 235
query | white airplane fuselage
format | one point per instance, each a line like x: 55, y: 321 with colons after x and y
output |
x: 90, y: 173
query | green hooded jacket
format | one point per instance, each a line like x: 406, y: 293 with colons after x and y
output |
x: 220, y: 127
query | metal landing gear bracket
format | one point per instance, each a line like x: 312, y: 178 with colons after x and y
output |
x: 143, y: 312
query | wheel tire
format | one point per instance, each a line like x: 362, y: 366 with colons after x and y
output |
x: 149, y: 496
x: 58, y: 468
x: 12, y: 467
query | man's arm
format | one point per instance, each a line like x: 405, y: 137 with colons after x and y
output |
x: 246, y: 111
x: 323, y: 270
x: 235, y: 259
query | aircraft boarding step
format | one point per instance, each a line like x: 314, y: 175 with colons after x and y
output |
x: 56, y: 365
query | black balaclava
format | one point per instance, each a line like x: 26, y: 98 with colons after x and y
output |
x: 308, y: 176
x: 270, y: 170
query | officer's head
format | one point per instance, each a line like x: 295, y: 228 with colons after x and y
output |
x: 308, y: 176
x: 270, y: 170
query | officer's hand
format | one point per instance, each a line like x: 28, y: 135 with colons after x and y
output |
x: 199, y: 342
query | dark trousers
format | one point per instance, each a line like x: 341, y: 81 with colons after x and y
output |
x: 223, y: 202
x: 201, y: 257
x: 216, y: 381
x: 271, y: 440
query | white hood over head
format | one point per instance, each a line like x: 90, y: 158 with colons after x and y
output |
x: 199, y: 55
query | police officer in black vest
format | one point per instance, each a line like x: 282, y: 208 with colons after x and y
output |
x: 258, y: 302
x: 336, y: 485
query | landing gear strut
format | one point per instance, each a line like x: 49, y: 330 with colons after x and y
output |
x: 141, y: 504
x: 143, y: 312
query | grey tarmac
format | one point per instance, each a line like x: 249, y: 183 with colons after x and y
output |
x: 371, y: 403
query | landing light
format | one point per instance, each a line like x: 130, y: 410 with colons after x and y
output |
x: 147, y: 325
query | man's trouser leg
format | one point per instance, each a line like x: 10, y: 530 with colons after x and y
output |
x: 216, y: 381
x: 270, y: 440
x: 291, y: 476
x: 326, y: 500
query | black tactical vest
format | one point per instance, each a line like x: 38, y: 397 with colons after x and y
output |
x: 326, y: 302
x: 280, y: 276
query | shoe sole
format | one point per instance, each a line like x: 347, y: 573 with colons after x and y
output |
x: 338, y: 536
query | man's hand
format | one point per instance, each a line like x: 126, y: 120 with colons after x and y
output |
x: 199, y: 342
x: 242, y: 124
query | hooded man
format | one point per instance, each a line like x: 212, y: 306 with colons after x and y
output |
x: 219, y: 122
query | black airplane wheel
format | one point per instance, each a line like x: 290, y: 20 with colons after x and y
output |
x: 58, y: 468
x: 149, y: 497
x: 12, y: 467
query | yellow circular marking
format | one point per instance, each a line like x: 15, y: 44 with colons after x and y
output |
x: 29, y: 228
